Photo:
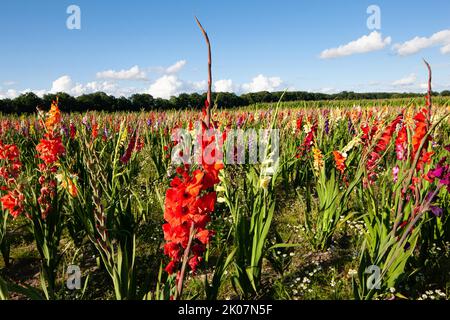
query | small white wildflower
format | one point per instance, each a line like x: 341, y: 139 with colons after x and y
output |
x: 221, y: 200
x: 352, y: 272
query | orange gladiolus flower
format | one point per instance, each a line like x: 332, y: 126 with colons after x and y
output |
x: 50, y: 149
x: 68, y: 184
x: 72, y: 188
x: 318, y: 159
x: 420, y: 132
x: 339, y: 160
x: 53, y: 117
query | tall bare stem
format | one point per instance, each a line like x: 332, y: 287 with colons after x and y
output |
x: 208, y: 97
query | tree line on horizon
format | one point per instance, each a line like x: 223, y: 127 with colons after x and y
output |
x: 100, y: 101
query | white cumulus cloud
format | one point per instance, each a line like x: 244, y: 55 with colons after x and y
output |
x: 9, y: 94
x: 224, y: 85
x: 107, y: 87
x: 67, y: 85
x: 39, y: 93
x: 62, y: 84
x: 368, y: 43
x: 419, y: 43
x: 262, y: 83
x: 445, y: 49
x: 134, y: 73
x: 406, y: 81
x: 423, y: 85
x: 196, y: 86
x: 176, y: 67
x: 166, y: 86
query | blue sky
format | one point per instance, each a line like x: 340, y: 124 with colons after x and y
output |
x: 124, y: 47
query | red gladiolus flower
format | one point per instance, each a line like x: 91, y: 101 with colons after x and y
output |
x: 73, y: 131
x: 127, y: 155
x: 204, y: 236
x: 380, y: 147
x: 387, y: 135
x: 50, y: 149
x: 368, y: 133
x: 140, y: 144
x: 13, y: 202
x: 308, y: 141
x: 420, y: 132
x: 401, y: 142
x: 11, y: 154
x: 185, y: 206
x: 8, y: 152
x: 194, y: 261
x: 171, y: 267
x: 94, y: 131
x: 172, y: 250
x: 299, y: 124
x: 189, y: 202
x: 135, y: 144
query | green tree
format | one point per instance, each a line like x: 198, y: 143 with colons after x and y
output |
x: 26, y: 103
x: 142, y: 101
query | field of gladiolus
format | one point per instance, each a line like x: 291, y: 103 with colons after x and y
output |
x: 347, y: 200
